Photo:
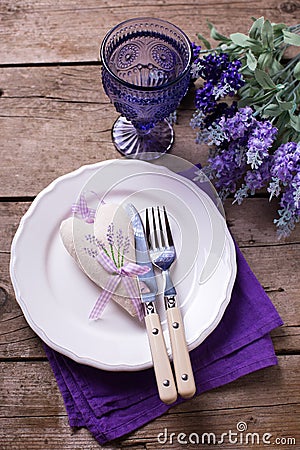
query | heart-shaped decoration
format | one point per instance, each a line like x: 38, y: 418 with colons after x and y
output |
x: 110, y: 232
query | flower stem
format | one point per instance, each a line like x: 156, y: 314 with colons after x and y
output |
x: 113, y: 254
x: 292, y: 62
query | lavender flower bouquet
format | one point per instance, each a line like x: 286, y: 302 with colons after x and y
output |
x: 255, y: 140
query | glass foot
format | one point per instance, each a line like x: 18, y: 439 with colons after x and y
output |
x: 151, y: 145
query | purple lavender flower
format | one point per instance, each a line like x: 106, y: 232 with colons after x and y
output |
x: 226, y: 170
x: 119, y: 239
x: 286, y: 161
x: 196, y: 51
x: 285, y: 173
x: 93, y: 253
x: 205, y: 99
x: 240, y: 141
x: 110, y: 234
x: 261, y: 139
x: 296, y: 190
x: 221, y: 110
x: 126, y: 245
x: 289, y: 214
x: 97, y: 245
x: 242, y: 160
x: 222, y: 78
x: 256, y: 179
x: 238, y: 125
x: 222, y: 73
x: 212, y: 66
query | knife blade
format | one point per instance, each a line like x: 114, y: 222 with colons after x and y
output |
x: 161, y: 363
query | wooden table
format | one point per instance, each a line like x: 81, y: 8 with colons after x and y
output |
x: 54, y: 118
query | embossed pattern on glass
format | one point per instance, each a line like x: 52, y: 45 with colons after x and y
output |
x: 145, y: 73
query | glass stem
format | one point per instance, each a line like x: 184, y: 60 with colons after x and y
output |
x: 143, y: 132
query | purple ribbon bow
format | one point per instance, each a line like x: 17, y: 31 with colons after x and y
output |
x: 124, y: 274
x: 81, y: 208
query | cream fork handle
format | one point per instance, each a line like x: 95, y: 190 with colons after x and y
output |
x: 181, y: 358
x: 161, y: 363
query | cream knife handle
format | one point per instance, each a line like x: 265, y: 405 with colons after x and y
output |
x: 162, y: 367
x: 181, y: 358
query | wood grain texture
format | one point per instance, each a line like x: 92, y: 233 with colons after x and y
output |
x: 54, y: 432
x: 71, y: 31
x: 36, y: 414
x: 54, y: 118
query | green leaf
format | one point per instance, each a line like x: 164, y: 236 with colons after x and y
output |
x: 264, y: 79
x: 294, y: 137
x: 267, y: 35
x: 281, y: 122
x: 239, y: 39
x: 279, y: 26
x: 251, y: 60
x: 272, y: 110
x: 275, y: 67
x: 297, y: 71
x: 255, y: 100
x: 278, y: 29
x: 291, y: 38
x: 255, y: 30
x: 242, y: 40
x: 287, y: 106
x: 205, y: 41
x: 264, y: 60
x: 254, y: 90
x: 216, y: 35
x: 255, y: 46
x: 295, y: 122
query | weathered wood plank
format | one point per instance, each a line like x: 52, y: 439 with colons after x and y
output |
x: 51, y: 31
x: 48, y: 433
x: 252, y: 225
x: 205, y: 428
x: 10, y: 216
x: 281, y: 281
x: 53, y: 433
x: 277, y: 269
x: 259, y: 399
x: 57, y: 120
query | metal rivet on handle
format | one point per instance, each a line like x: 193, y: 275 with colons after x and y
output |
x: 175, y: 325
x: 166, y: 383
x: 184, y: 376
x: 155, y: 331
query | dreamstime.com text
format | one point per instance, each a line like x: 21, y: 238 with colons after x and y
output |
x: 240, y: 436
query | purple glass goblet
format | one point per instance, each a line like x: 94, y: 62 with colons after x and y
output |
x: 145, y: 73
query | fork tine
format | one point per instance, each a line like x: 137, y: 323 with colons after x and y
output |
x: 156, y: 244
x: 148, y: 229
x: 168, y: 229
x: 162, y: 237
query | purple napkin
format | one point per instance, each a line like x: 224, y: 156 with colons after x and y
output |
x: 111, y: 404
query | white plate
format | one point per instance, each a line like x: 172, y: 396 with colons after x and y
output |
x: 56, y: 297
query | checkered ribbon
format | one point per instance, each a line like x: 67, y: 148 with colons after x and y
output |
x: 125, y: 275
x: 82, y: 209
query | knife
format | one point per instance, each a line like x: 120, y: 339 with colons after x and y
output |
x: 161, y: 363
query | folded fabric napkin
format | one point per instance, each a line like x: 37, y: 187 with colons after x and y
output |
x: 112, y: 404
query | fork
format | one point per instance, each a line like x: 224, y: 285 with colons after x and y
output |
x: 163, y: 254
